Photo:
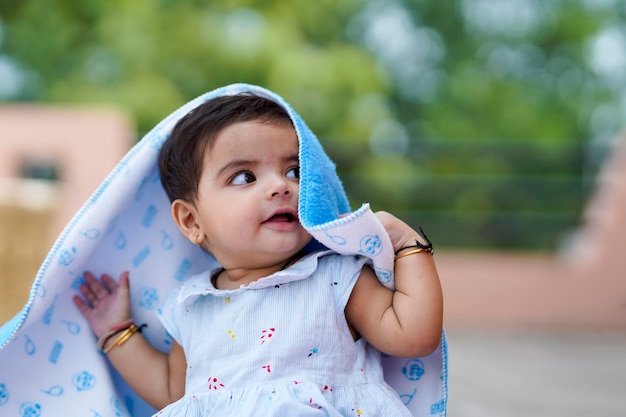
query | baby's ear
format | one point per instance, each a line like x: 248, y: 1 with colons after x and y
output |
x: 184, y: 215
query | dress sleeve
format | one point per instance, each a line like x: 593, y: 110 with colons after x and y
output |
x: 169, y: 314
x: 344, y: 270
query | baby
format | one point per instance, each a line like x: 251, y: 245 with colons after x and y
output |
x: 283, y: 326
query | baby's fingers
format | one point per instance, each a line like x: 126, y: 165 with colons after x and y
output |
x: 82, y: 306
x: 87, y: 292
x: 96, y: 287
x: 109, y: 283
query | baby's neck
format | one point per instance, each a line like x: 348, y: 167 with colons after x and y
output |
x: 234, y: 278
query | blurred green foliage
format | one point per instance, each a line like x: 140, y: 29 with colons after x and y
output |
x: 473, y: 118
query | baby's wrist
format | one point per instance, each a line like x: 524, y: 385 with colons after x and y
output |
x: 415, y: 244
x: 123, y: 337
x: 109, y: 333
x: 409, y: 242
x: 111, y: 327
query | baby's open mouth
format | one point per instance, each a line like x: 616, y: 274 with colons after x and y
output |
x: 282, y: 217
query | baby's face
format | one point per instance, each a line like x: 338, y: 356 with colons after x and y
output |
x: 248, y: 195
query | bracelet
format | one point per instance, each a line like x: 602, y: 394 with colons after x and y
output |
x: 112, y: 332
x: 125, y: 336
x: 419, y: 247
x: 412, y: 252
x: 122, y: 338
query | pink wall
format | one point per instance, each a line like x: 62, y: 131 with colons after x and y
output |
x: 86, y: 142
x: 584, y: 286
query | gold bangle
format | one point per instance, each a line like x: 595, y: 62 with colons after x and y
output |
x: 412, y: 252
x: 122, y: 338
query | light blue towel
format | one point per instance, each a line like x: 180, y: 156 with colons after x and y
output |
x: 49, y: 363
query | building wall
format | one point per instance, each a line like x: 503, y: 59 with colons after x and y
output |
x: 84, y: 144
x: 583, y: 286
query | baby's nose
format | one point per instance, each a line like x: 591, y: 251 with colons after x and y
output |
x: 279, y: 186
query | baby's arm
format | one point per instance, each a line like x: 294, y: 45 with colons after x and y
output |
x: 156, y: 377
x: 406, y: 322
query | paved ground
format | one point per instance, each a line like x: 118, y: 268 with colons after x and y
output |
x: 569, y: 374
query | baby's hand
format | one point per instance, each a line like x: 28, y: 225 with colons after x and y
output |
x: 400, y: 233
x: 108, y: 302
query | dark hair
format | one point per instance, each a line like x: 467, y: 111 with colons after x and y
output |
x: 182, y: 154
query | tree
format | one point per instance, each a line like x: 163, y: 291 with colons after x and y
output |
x: 151, y: 57
x: 471, y: 117
x: 496, y: 100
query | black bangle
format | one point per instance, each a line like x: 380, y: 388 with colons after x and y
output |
x: 428, y: 247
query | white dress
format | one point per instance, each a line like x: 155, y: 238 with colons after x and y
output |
x: 277, y: 347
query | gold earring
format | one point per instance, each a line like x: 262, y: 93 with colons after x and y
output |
x: 196, y: 241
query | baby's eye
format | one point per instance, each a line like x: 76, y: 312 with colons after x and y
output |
x: 293, y: 173
x: 243, y: 178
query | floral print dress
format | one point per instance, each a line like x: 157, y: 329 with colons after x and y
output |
x: 280, y: 346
